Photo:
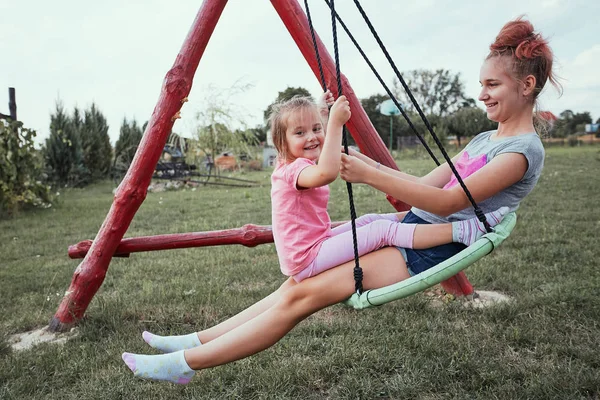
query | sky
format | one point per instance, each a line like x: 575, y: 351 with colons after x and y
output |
x: 116, y: 53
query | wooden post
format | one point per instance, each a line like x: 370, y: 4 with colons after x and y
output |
x: 12, y: 106
x: 359, y: 125
x: 12, y: 103
x: 89, y: 275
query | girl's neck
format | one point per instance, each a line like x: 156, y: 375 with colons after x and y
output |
x: 517, y: 125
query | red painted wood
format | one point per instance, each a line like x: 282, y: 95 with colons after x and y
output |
x: 248, y: 235
x: 359, y: 125
x: 458, y: 285
x: 89, y: 275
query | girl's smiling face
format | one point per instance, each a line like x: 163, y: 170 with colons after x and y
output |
x: 501, y: 93
x: 304, y: 135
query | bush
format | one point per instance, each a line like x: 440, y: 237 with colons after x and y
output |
x: 20, y: 170
x: 63, y: 153
x: 251, y: 165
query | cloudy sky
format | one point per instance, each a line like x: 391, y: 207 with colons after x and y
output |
x: 116, y: 53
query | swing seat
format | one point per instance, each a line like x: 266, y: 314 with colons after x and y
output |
x: 438, y: 273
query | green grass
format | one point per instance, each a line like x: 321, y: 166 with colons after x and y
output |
x: 545, y: 344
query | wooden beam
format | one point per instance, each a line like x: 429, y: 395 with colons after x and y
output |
x: 248, y: 235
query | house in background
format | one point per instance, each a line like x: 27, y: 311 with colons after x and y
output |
x: 269, y: 153
x: 549, y: 117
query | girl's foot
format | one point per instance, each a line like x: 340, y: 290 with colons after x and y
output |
x: 470, y: 230
x: 170, y: 367
x: 169, y: 344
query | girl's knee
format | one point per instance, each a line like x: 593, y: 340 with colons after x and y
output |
x: 292, y: 297
x: 296, y: 303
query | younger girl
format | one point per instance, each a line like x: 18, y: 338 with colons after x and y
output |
x: 308, y: 161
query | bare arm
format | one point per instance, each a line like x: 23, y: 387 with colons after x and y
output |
x: 328, y: 167
x: 502, y: 172
x: 438, y: 177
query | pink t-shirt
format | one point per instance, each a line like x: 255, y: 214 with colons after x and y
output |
x: 299, y: 217
x: 466, y: 166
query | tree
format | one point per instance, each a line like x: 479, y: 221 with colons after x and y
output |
x: 380, y: 122
x: 569, y: 123
x: 130, y: 136
x: 437, y: 92
x: 215, y: 131
x: 95, y: 143
x: 468, y: 121
x: 76, y: 121
x: 582, y: 118
x: 62, y: 153
x: 260, y: 132
x: 287, y: 94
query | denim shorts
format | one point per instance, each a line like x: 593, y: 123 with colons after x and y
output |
x: 418, y: 261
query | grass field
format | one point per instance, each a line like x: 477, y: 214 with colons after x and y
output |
x: 544, y: 344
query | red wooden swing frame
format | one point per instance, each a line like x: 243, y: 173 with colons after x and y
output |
x: 130, y: 194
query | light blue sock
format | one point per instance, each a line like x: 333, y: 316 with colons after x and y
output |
x: 169, y: 344
x: 170, y: 367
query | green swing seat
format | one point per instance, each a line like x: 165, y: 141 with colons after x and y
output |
x: 437, y: 274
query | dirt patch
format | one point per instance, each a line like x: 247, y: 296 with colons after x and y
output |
x: 26, y: 340
x: 487, y: 298
x: 479, y: 299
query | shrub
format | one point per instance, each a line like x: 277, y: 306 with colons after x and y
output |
x: 63, y: 153
x: 20, y: 170
x: 251, y: 165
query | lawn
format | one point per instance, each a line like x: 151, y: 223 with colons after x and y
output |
x: 543, y: 344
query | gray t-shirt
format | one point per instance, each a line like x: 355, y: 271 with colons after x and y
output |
x: 528, y: 144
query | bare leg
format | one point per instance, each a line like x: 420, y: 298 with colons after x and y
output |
x: 427, y: 236
x: 257, y: 308
x: 466, y: 232
x: 380, y: 268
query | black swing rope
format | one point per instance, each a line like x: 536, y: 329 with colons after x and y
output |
x: 477, y: 210
x: 385, y: 87
x: 358, y: 273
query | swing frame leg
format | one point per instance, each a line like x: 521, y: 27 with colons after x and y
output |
x: 90, y: 274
